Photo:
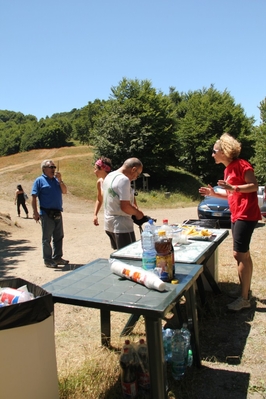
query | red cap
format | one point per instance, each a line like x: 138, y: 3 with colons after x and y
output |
x: 165, y: 220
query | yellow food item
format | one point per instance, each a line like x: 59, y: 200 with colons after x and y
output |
x: 191, y: 231
x: 206, y: 232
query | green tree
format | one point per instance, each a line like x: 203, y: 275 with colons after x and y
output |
x: 48, y: 133
x: 137, y: 121
x: 202, y: 116
x: 84, y: 121
x: 260, y: 146
x: 10, y: 138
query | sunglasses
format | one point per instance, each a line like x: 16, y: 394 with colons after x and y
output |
x: 51, y: 167
x: 214, y: 151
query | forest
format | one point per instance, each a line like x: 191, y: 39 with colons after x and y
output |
x: 174, y: 130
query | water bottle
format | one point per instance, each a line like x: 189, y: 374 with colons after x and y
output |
x: 187, y: 336
x: 167, y: 338
x: 143, y: 374
x: 178, y: 355
x: 148, y: 249
x: 152, y: 226
x: 128, y: 371
x: 147, y: 239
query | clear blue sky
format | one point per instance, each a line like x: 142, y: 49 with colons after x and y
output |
x: 57, y: 55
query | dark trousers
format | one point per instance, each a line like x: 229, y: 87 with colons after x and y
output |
x: 52, y: 230
x: 24, y: 206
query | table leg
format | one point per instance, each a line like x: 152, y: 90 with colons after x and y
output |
x: 201, y: 290
x: 129, y: 325
x: 156, y: 358
x: 105, y: 327
x: 193, y: 322
x: 207, y: 274
x: 211, y: 280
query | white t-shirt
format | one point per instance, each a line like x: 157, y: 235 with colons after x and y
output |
x: 116, y: 188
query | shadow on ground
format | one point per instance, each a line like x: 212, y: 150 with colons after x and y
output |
x: 209, y: 383
x: 9, y: 250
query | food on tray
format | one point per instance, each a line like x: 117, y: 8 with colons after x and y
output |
x: 192, y: 231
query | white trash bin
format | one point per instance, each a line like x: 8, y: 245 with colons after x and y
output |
x: 27, y: 346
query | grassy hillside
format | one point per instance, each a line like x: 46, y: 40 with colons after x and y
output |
x: 76, y: 166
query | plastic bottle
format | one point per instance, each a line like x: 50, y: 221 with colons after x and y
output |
x: 152, y: 226
x: 190, y: 358
x: 168, y: 229
x: 143, y: 374
x: 178, y: 355
x: 148, y: 249
x: 147, y: 239
x: 187, y: 336
x: 169, y: 234
x: 163, y: 247
x: 128, y: 371
x: 167, y: 338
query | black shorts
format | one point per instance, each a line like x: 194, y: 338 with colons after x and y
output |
x: 120, y: 240
x: 242, y: 231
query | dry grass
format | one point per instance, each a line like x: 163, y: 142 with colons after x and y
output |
x: 77, y: 167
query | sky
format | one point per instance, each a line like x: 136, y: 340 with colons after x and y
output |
x: 57, y: 55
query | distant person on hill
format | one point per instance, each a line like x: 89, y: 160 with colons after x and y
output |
x: 20, y: 199
x: 120, y: 204
x: 48, y: 188
x: 240, y: 188
x: 102, y: 167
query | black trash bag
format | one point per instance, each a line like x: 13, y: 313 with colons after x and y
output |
x: 25, y: 313
x: 140, y: 222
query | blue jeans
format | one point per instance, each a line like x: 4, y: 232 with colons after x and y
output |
x: 52, y: 229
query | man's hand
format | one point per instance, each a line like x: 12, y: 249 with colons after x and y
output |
x: 36, y: 216
x: 144, y: 219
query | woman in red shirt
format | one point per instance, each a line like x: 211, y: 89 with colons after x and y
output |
x: 240, y: 187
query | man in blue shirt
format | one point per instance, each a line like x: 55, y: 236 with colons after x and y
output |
x: 48, y: 188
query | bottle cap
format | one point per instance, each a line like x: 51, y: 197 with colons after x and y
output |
x: 174, y: 282
x: 165, y: 221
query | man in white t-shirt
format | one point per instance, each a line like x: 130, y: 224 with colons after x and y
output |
x: 120, y: 204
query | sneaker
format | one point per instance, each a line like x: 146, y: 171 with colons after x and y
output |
x: 61, y: 261
x: 237, y: 293
x: 238, y: 304
x: 50, y: 263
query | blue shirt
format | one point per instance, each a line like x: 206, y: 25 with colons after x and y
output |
x: 49, y: 193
